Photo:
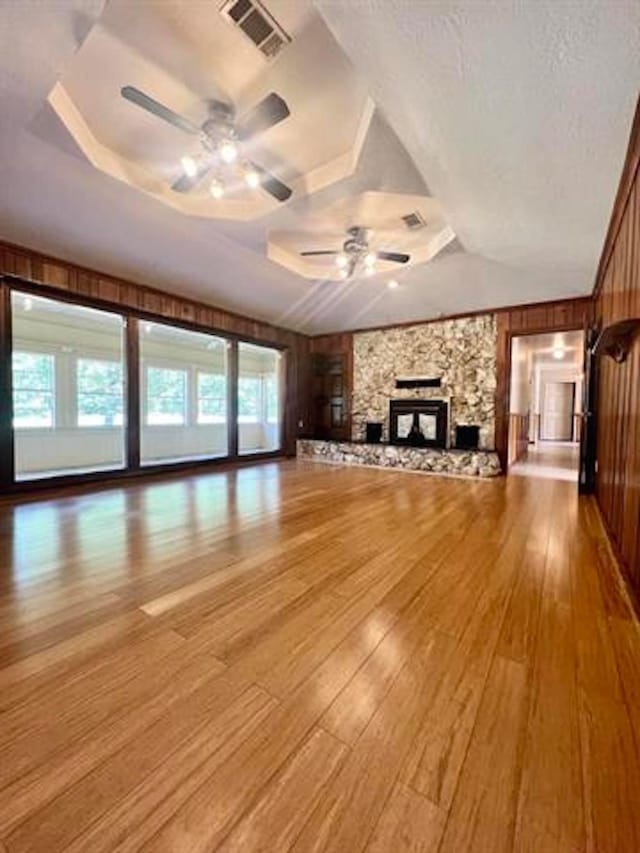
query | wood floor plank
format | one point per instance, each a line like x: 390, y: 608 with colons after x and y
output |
x: 275, y: 821
x: 483, y: 812
x: 128, y: 820
x: 611, y: 773
x: 551, y: 800
x: 354, y: 800
x: 409, y: 824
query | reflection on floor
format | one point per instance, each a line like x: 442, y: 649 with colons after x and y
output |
x: 302, y: 658
x: 549, y: 459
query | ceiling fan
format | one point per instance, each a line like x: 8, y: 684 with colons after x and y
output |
x: 356, y: 253
x: 222, y: 139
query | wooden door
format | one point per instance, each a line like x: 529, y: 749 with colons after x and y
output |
x: 557, y: 411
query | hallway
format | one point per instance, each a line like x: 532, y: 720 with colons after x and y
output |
x: 551, y: 460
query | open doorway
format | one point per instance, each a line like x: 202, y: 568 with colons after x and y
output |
x: 545, y: 405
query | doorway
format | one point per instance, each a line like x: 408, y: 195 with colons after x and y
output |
x: 545, y: 405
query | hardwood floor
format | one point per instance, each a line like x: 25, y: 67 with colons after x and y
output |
x: 305, y: 657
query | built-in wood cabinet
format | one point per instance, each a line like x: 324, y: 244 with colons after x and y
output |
x: 330, y: 395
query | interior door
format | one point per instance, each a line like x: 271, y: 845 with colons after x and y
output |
x: 557, y: 411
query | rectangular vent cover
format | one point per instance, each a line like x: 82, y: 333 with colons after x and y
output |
x: 413, y: 220
x: 257, y: 24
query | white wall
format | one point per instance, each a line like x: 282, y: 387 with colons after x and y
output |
x: 41, y: 450
x: 47, y: 450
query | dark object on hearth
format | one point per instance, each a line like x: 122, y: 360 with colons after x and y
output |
x: 419, y: 383
x: 373, y: 431
x: 467, y: 437
x: 416, y: 437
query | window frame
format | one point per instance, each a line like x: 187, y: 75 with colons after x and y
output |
x: 78, y: 393
x: 157, y: 365
x: 198, y: 372
x: 44, y: 352
x: 249, y: 419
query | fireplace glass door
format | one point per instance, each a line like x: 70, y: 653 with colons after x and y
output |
x: 428, y: 425
x: 404, y: 424
x: 418, y: 422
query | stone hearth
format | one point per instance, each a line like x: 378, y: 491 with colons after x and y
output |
x: 460, y: 463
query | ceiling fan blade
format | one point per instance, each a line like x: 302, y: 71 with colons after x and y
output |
x: 268, y: 112
x: 271, y: 184
x: 322, y: 252
x: 130, y: 93
x: 185, y: 183
x: 396, y: 257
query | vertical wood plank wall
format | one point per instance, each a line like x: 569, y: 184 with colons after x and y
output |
x: 617, y: 297
x: 89, y: 284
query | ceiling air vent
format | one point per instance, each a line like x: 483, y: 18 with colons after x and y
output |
x: 257, y: 24
x: 413, y: 221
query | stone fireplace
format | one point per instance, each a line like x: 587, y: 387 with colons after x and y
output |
x: 418, y: 423
x: 461, y: 354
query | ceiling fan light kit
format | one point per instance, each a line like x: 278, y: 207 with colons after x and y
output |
x: 222, y: 139
x: 216, y: 189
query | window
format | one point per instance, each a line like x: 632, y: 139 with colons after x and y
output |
x: 68, y: 376
x: 33, y: 390
x: 166, y: 396
x: 212, y: 398
x: 249, y: 399
x: 258, y: 398
x: 100, y: 393
x: 184, y: 381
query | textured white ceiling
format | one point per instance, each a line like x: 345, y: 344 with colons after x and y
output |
x: 515, y: 116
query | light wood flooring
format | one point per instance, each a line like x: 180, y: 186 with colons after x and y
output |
x: 303, y: 657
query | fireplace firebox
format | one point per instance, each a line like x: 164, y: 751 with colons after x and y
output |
x: 419, y: 423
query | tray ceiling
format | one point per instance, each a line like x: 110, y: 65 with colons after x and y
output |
x: 514, y: 117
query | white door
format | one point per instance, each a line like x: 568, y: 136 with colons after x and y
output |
x: 557, y: 411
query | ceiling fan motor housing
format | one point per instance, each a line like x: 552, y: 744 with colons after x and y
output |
x: 357, y: 242
x: 219, y: 126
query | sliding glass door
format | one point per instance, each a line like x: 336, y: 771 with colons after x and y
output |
x: 258, y: 399
x: 68, y: 375
x: 183, y: 394
x: 92, y: 390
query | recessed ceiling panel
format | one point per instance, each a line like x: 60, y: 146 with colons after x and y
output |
x: 192, y: 60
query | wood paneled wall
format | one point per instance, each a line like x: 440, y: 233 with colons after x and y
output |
x: 61, y: 276
x: 518, y: 436
x: 617, y: 297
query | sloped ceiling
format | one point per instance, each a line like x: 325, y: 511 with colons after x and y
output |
x: 514, y: 116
